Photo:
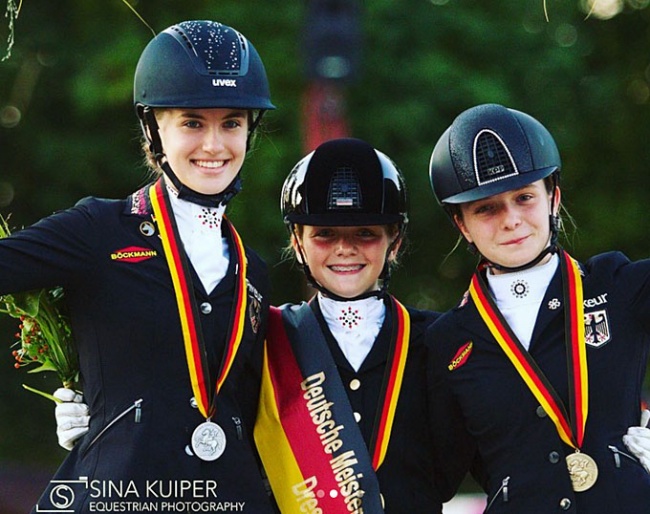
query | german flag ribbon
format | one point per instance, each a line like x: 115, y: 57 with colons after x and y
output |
x: 195, y: 349
x: 330, y: 465
x: 571, y: 429
x: 392, y: 382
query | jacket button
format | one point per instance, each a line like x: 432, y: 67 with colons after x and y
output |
x: 541, y: 413
x: 554, y: 457
x: 355, y: 384
x: 565, y: 504
x: 206, y: 308
x: 357, y: 417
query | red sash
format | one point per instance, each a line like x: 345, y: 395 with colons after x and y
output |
x: 310, y: 444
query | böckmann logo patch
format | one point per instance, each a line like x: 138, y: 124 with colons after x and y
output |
x: 133, y: 254
x: 461, y: 356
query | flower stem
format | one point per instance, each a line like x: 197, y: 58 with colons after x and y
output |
x: 43, y: 394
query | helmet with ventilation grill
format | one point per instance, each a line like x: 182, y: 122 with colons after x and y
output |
x: 490, y: 149
x: 344, y: 182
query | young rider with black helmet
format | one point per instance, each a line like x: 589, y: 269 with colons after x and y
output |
x: 540, y: 368
x: 168, y: 307
x: 342, y: 420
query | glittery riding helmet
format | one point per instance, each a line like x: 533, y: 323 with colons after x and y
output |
x: 201, y: 64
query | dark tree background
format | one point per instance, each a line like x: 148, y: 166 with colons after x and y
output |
x: 68, y: 129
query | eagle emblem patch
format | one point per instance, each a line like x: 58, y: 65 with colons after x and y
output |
x: 597, y: 328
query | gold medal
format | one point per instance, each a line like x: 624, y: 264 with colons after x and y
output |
x: 583, y: 471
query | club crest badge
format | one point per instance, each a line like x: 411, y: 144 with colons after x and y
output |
x: 597, y: 331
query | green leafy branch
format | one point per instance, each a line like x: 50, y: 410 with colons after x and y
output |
x: 44, y: 339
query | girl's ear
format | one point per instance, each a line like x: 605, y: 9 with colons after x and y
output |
x: 395, y: 250
x: 296, y: 250
x: 556, y: 201
x: 462, y: 228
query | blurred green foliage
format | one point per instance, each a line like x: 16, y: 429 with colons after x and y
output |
x: 68, y: 129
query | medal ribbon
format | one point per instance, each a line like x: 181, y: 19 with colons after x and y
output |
x: 195, y: 351
x: 392, y: 382
x: 571, y: 430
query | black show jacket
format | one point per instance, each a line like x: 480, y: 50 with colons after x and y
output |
x: 484, y: 404
x: 108, y: 256
x: 408, y: 478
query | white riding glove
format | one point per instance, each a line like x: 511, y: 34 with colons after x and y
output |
x: 72, y: 417
x: 637, y: 440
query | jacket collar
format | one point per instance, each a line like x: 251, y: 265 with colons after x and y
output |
x: 138, y: 203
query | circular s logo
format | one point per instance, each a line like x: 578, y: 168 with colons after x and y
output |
x: 61, y: 496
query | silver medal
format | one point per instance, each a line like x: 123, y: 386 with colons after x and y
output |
x: 208, y: 441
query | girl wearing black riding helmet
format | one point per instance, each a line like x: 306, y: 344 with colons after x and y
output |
x: 168, y: 307
x: 342, y: 422
x: 540, y: 368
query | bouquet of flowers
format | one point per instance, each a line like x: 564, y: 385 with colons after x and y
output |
x: 44, y: 339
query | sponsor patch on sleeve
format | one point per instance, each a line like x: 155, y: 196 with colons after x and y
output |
x: 461, y: 356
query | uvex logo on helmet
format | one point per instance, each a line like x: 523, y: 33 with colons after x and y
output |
x: 224, y: 82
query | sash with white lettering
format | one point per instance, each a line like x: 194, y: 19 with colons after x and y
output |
x: 571, y: 429
x: 179, y: 269
x: 327, y: 468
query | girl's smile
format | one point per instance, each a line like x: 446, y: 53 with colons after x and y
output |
x: 346, y: 260
x: 512, y: 228
x: 204, y: 147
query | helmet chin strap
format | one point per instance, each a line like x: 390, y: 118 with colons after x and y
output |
x: 190, y: 195
x: 552, y: 248
x: 148, y: 120
x: 384, y: 277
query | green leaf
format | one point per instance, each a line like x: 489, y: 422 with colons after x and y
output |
x: 46, y: 366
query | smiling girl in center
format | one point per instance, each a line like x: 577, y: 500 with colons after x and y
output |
x: 342, y: 424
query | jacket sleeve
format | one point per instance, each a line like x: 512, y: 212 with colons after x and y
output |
x: 55, y: 251
x: 614, y: 271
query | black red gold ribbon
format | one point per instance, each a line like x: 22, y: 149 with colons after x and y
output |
x: 195, y: 352
x: 392, y: 383
x: 571, y: 429
x: 293, y: 455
